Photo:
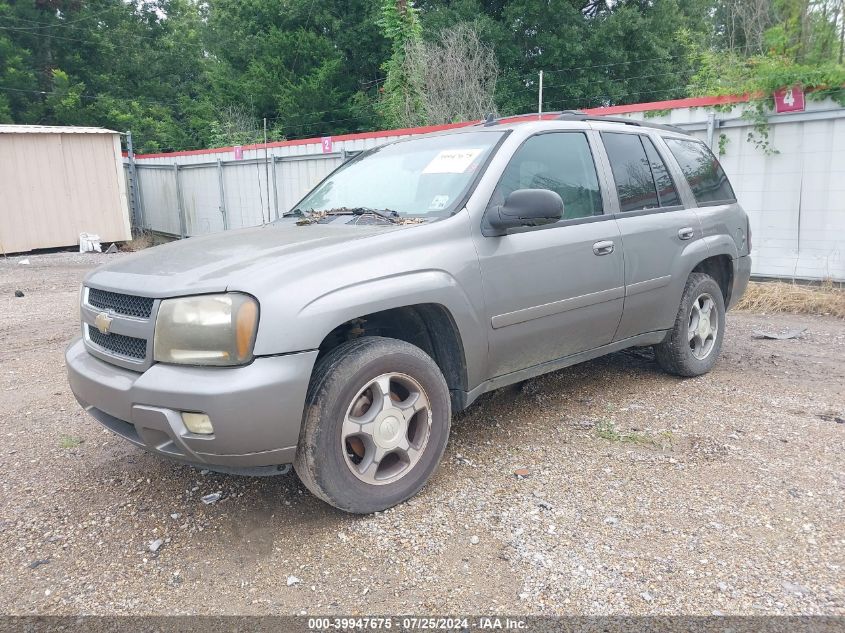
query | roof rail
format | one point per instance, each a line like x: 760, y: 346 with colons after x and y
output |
x: 491, y: 120
x: 574, y: 115
x: 579, y: 115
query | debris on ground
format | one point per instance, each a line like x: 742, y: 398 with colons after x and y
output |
x: 780, y: 336
x: 24, y: 262
x: 155, y: 545
x: 214, y: 497
x: 89, y: 243
x: 293, y: 580
x: 37, y: 563
x: 521, y: 472
x: 111, y: 250
x: 18, y: 293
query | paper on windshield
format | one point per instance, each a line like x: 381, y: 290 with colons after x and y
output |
x: 452, y: 161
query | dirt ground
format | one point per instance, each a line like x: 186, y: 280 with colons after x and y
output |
x: 644, y: 494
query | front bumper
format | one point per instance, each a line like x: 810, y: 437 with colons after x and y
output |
x: 256, y: 410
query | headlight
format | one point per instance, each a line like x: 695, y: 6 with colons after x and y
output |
x: 206, y: 330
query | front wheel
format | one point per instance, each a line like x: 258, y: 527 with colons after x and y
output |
x: 692, y: 346
x: 376, y: 424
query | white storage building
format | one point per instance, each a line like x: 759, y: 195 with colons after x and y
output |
x: 58, y: 182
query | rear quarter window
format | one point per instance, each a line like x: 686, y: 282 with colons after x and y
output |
x: 705, y: 175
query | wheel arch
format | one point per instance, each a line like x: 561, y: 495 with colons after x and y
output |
x: 720, y: 268
x: 429, y: 326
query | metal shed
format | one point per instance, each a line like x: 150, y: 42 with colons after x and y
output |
x: 57, y: 182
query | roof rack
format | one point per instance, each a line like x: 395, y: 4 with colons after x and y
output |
x: 579, y: 115
x: 492, y: 120
x: 575, y: 115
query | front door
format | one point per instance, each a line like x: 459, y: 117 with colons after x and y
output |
x: 554, y: 290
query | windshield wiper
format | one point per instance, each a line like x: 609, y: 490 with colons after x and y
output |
x: 387, y: 214
x: 312, y: 217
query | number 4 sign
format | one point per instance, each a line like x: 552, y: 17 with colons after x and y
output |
x: 789, y: 99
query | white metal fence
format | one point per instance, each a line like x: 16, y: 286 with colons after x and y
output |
x: 195, y: 193
x: 794, y: 195
x: 198, y: 198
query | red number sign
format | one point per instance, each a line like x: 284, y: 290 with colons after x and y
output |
x: 239, y: 152
x: 327, y: 144
x: 789, y: 99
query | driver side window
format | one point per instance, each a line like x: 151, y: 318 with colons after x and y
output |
x: 561, y: 162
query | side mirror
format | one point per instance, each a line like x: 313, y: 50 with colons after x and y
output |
x: 525, y: 207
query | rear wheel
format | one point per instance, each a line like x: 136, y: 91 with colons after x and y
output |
x: 693, y: 345
x: 376, y: 424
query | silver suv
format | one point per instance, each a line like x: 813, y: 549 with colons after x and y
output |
x: 416, y: 277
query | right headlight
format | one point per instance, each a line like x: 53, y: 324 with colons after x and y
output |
x: 214, y: 330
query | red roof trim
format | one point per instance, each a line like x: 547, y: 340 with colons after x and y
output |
x: 692, y: 102
x: 315, y: 140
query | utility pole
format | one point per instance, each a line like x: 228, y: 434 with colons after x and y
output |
x: 540, y: 98
x: 134, y: 192
x: 842, y: 32
x: 266, y: 170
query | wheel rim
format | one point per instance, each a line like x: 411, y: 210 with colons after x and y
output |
x: 386, y: 428
x: 703, y: 326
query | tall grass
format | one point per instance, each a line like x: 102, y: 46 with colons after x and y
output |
x: 777, y: 296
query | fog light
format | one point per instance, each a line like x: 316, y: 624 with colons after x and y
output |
x: 197, y: 423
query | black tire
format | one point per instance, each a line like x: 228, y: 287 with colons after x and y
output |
x: 675, y: 354
x: 321, y: 461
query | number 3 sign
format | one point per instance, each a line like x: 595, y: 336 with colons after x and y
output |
x: 789, y: 99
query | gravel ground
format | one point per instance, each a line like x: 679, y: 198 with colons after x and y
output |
x: 641, y: 493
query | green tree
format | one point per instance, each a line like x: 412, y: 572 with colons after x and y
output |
x: 309, y: 67
x: 401, y: 104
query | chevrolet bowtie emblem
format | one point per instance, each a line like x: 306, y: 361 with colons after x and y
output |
x: 103, y: 322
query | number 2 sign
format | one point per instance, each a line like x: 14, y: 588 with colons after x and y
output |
x: 789, y: 99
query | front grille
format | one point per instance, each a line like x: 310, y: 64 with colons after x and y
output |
x: 127, y: 346
x: 128, y: 305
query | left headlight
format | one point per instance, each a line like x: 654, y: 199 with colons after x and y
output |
x: 206, y: 330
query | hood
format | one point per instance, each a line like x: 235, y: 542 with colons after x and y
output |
x: 212, y: 263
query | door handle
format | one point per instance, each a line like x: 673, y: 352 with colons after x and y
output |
x: 603, y: 248
x: 686, y: 233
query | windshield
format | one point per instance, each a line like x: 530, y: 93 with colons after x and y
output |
x: 424, y: 177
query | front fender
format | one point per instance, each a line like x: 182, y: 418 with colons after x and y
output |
x: 324, y: 313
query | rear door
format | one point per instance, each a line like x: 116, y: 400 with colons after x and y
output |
x: 717, y: 209
x: 554, y: 290
x: 656, y: 228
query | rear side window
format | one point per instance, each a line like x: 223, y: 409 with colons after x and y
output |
x: 561, y: 162
x: 666, y: 192
x: 631, y: 171
x: 703, y: 172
